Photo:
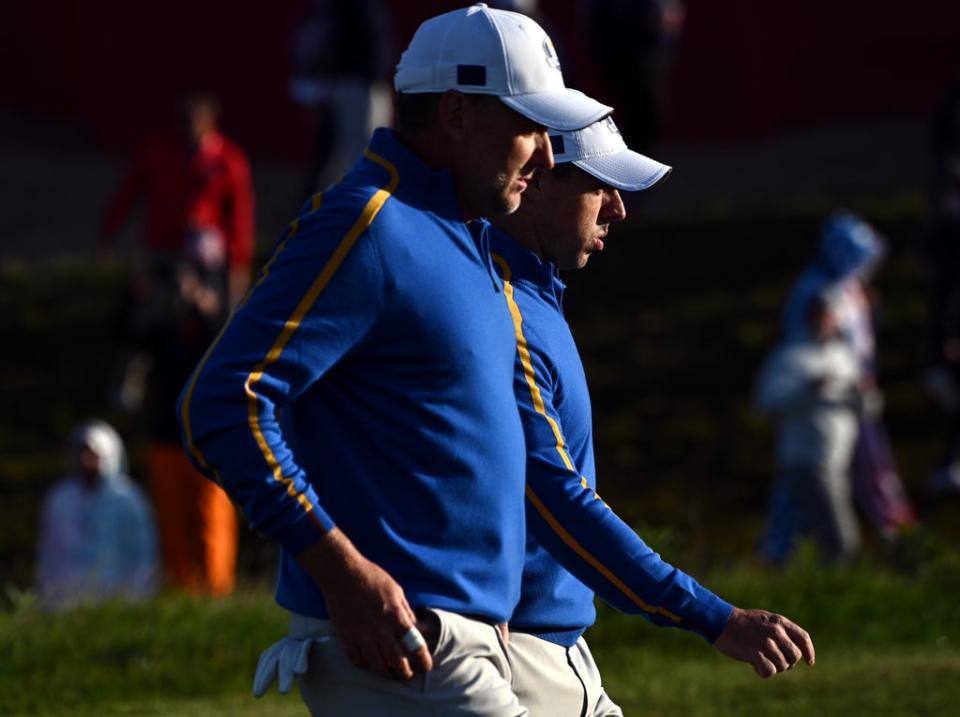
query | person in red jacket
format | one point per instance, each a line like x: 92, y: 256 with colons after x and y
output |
x: 198, y: 247
x: 193, y: 181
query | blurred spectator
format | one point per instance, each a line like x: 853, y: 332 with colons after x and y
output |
x: 198, y: 524
x: 943, y: 260
x: 634, y: 42
x: 193, y: 180
x: 849, y: 252
x: 811, y: 384
x: 199, y: 241
x: 96, y: 529
x: 342, y: 51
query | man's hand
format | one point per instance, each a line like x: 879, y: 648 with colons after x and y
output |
x: 367, y: 607
x: 769, y: 642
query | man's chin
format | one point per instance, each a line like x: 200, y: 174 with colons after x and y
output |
x: 508, y: 203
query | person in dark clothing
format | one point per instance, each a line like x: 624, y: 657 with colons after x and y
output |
x: 197, y: 523
x: 342, y: 53
x: 633, y: 42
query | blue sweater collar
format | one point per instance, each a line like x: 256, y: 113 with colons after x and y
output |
x: 420, y: 186
x: 526, y: 266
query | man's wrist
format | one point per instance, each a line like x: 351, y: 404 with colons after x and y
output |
x: 330, y: 558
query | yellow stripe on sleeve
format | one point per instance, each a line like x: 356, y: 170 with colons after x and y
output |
x: 370, y: 211
x: 592, y: 561
x: 525, y: 361
x: 188, y: 396
x: 528, y: 371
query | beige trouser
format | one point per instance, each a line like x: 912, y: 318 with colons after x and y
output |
x: 471, y: 675
x: 555, y: 681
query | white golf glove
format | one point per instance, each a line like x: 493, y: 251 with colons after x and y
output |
x: 283, y: 661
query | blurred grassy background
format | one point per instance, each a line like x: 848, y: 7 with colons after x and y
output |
x: 673, y: 320
x: 800, y: 106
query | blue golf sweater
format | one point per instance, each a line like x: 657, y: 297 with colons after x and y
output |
x: 365, y: 382
x: 576, y: 545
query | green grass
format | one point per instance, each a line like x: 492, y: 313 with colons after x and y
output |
x: 887, y: 644
x: 672, y: 321
x: 846, y: 682
x: 235, y: 705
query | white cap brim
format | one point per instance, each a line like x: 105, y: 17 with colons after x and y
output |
x: 600, y: 151
x: 561, y: 109
x: 626, y: 170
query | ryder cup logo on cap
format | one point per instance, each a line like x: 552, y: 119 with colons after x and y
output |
x: 480, y: 50
x: 601, y: 151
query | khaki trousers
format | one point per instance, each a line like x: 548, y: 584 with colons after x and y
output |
x: 555, y: 681
x: 471, y: 675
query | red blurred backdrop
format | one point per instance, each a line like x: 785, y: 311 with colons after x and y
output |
x: 744, y: 67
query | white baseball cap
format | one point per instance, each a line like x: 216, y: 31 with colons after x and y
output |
x: 480, y: 50
x: 601, y: 151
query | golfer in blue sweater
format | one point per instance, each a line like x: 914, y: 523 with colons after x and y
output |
x: 576, y: 545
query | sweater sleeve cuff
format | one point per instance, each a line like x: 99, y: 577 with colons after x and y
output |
x: 711, y: 614
x: 299, y: 535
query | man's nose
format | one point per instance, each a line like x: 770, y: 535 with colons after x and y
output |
x: 543, y: 154
x: 614, y: 209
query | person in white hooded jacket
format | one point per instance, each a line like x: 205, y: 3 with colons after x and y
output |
x: 849, y: 253
x: 812, y: 384
x: 97, y: 538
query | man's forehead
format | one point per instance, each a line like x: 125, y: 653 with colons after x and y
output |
x: 496, y: 104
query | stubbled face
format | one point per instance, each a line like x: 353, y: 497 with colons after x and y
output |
x: 574, y: 214
x: 503, y: 152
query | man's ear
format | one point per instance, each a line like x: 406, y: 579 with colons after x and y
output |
x: 451, y: 113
